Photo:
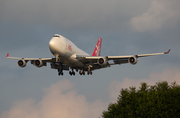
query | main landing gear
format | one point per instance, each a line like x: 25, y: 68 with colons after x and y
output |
x: 83, y: 73
x: 71, y: 73
x: 60, y: 72
x: 89, y: 72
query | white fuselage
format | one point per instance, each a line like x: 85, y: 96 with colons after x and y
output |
x: 66, y: 50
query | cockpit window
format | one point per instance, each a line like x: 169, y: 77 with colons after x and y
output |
x: 56, y: 35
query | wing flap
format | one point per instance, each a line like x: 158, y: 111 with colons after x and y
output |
x: 119, y: 57
x: 94, y: 57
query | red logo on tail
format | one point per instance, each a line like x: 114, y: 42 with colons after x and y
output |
x: 97, y: 49
x: 7, y: 55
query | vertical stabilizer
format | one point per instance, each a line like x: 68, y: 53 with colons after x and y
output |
x: 97, y: 49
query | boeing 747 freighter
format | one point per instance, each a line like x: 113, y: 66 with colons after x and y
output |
x: 69, y: 57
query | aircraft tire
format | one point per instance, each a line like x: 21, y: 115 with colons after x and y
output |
x: 70, y: 73
x: 73, y: 73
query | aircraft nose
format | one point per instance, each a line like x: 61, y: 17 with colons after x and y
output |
x: 52, y: 45
x: 51, y: 42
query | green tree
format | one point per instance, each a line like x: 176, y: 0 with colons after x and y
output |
x: 161, y: 100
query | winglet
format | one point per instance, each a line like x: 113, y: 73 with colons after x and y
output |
x: 7, y: 55
x: 167, y: 51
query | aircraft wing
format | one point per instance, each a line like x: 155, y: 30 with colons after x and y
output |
x: 38, y: 62
x: 137, y: 56
x: 32, y: 59
x: 102, y: 60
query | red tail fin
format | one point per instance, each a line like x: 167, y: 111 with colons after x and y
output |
x: 97, y: 49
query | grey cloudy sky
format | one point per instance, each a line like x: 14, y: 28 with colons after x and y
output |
x: 126, y: 27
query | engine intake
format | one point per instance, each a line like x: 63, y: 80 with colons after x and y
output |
x: 102, y: 61
x: 38, y: 63
x: 132, y: 60
x: 21, y: 63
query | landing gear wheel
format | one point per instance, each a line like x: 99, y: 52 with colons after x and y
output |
x: 70, y: 73
x: 80, y: 72
x: 89, y: 73
x: 73, y: 73
x: 76, y: 70
x: 60, y: 73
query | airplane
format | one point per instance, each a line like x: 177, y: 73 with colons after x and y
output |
x: 69, y: 57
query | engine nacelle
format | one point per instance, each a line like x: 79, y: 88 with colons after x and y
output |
x: 102, y: 61
x: 132, y: 60
x: 21, y: 63
x: 38, y: 63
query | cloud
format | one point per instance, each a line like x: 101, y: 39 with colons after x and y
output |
x: 62, y: 100
x: 63, y: 13
x: 159, y: 13
x: 103, y: 16
x: 59, y: 100
x: 169, y: 75
x: 68, y: 14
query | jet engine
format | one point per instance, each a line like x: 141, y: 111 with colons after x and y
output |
x: 132, y: 60
x: 102, y: 61
x: 38, y: 63
x: 21, y: 63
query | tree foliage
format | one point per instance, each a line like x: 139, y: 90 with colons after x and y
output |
x: 161, y: 100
